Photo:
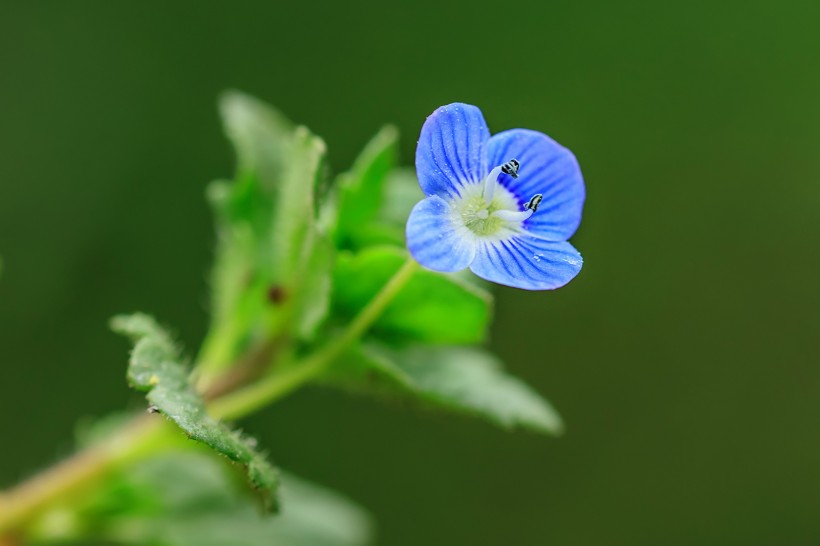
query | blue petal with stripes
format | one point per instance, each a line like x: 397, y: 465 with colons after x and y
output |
x: 452, y: 150
x: 504, y: 206
x: 546, y: 168
x: 434, y: 239
x: 527, y: 262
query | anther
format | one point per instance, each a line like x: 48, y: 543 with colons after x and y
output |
x: 511, y: 168
x: 533, y: 203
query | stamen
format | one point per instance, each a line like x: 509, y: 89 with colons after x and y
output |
x: 510, y: 167
x: 490, y: 183
x: 519, y: 216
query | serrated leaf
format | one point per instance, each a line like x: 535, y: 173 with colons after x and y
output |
x: 188, y: 499
x: 361, y: 190
x: 156, y: 367
x: 431, y: 307
x: 462, y: 379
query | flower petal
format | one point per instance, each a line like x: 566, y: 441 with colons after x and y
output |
x: 435, y: 241
x: 527, y: 262
x: 451, y: 150
x: 546, y: 168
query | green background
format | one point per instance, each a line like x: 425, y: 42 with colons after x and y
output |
x: 684, y: 357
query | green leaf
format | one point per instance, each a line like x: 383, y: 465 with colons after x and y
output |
x: 431, y: 307
x: 260, y: 135
x: 295, y: 212
x: 361, y: 190
x: 188, y: 499
x: 313, y: 292
x: 270, y: 250
x: 402, y: 193
x: 235, y: 251
x: 279, y: 167
x: 461, y: 379
x: 156, y: 368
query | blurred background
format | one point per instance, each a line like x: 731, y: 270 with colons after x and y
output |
x: 684, y: 358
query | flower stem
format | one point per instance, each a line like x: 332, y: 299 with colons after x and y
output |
x: 273, y: 387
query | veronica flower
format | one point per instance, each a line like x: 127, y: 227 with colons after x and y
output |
x: 504, y: 206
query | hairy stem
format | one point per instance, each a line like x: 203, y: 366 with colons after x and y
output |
x: 247, y: 368
x: 59, y: 482
x: 144, y: 434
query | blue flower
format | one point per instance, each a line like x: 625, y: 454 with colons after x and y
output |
x: 504, y: 206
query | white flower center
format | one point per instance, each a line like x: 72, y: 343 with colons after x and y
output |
x: 488, y: 210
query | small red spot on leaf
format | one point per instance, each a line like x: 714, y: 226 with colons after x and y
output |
x: 276, y: 294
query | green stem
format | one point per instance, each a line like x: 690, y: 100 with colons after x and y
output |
x: 140, y: 436
x: 144, y: 434
x: 273, y: 387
